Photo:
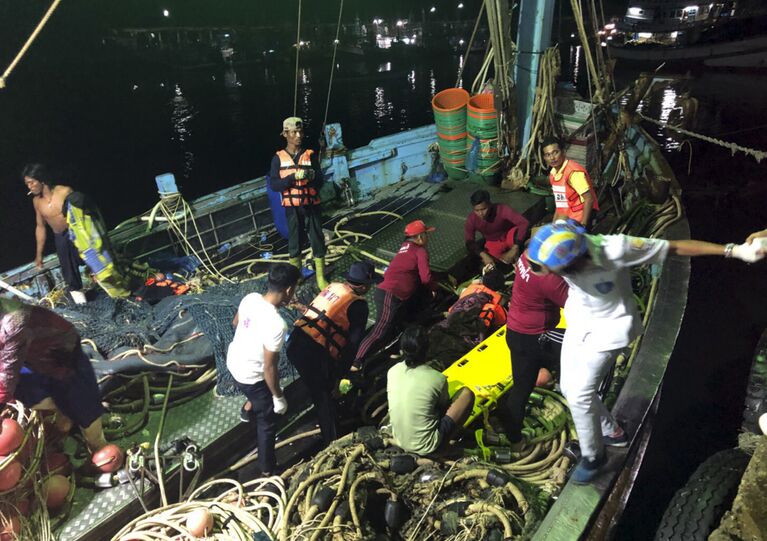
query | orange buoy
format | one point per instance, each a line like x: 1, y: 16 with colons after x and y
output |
x: 55, y: 491
x: 10, y: 474
x: 544, y: 378
x: 11, y: 436
x: 199, y: 522
x: 108, y: 459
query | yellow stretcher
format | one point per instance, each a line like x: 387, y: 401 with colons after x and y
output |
x: 486, y: 370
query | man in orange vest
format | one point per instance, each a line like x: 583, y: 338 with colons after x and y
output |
x: 327, y: 337
x: 296, y: 174
x: 574, y: 194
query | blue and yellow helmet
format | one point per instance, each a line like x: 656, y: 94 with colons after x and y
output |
x: 557, y: 245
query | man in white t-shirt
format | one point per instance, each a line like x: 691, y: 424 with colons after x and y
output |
x: 254, y: 355
x: 602, y: 317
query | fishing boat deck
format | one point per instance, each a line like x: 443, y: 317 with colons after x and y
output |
x: 212, y: 422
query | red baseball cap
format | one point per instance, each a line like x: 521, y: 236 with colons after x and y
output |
x: 417, y: 227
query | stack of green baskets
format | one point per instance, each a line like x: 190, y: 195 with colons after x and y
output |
x: 482, y: 124
x: 449, y: 108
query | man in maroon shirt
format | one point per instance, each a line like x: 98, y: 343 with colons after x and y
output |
x: 502, y: 228
x: 533, y: 314
x: 407, y: 286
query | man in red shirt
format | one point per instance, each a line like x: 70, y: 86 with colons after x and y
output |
x: 533, y: 313
x: 574, y: 194
x: 502, y: 228
x: 407, y: 286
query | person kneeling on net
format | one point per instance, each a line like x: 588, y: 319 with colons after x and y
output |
x: 43, y: 365
x: 422, y: 416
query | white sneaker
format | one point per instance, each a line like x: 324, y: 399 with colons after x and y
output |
x: 78, y: 297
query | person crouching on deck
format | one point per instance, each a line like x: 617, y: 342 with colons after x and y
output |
x: 503, y: 231
x: 407, y: 287
x: 574, y: 194
x: 423, y: 416
x: 296, y: 174
x: 43, y: 365
x: 253, y: 357
x: 327, y: 337
x: 602, y: 317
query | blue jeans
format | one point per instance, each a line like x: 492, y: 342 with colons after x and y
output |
x: 78, y: 396
x: 265, y: 423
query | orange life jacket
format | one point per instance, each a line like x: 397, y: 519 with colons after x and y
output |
x: 301, y: 193
x: 326, y: 319
x: 493, y: 314
x: 565, y: 196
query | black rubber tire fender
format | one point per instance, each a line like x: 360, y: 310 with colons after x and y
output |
x: 697, y: 508
x: 756, y: 392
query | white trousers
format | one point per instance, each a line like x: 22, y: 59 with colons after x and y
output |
x: 583, y: 369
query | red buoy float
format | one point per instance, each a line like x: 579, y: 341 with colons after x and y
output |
x: 199, y: 522
x: 10, y: 526
x: 11, y: 436
x: 57, y: 463
x: 108, y: 459
x: 55, y: 491
x: 10, y: 474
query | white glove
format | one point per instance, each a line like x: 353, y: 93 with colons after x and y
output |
x: 280, y: 404
x: 750, y: 253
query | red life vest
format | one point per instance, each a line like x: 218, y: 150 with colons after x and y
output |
x: 301, y: 193
x: 492, y: 314
x: 565, y: 196
x: 326, y: 320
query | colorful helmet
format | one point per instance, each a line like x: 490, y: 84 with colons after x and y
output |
x: 557, y: 245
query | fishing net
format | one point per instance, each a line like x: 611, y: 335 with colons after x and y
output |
x: 113, y: 326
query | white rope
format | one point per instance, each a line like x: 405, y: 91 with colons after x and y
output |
x: 758, y: 155
x: 333, y: 64
x: 298, y: 48
x: 29, y: 42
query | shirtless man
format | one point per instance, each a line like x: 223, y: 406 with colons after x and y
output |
x: 48, y: 201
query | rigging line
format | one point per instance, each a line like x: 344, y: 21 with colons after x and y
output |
x: 298, y: 49
x: 758, y: 155
x: 471, y: 42
x: 29, y: 42
x: 333, y: 65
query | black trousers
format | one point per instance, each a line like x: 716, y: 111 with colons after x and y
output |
x: 69, y: 260
x: 303, y: 222
x: 529, y: 353
x: 391, y: 314
x: 265, y: 423
x: 320, y: 374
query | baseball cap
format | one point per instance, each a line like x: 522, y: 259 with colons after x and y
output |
x: 417, y: 227
x: 363, y: 272
x: 292, y: 123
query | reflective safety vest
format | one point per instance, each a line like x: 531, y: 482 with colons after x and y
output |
x: 492, y: 314
x: 565, y: 196
x: 301, y: 193
x: 326, y: 320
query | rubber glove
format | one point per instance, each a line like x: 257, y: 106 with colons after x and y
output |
x: 750, y: 253
x: 280, y: 404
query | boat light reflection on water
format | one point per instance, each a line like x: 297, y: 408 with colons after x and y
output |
x: 182, y: 112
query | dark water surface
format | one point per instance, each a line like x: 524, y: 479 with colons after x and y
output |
x: 112, y: 125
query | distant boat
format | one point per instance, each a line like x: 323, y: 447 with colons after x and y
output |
x: 719, y: 34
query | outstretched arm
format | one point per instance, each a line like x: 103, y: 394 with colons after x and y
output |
x: 692, y: 248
